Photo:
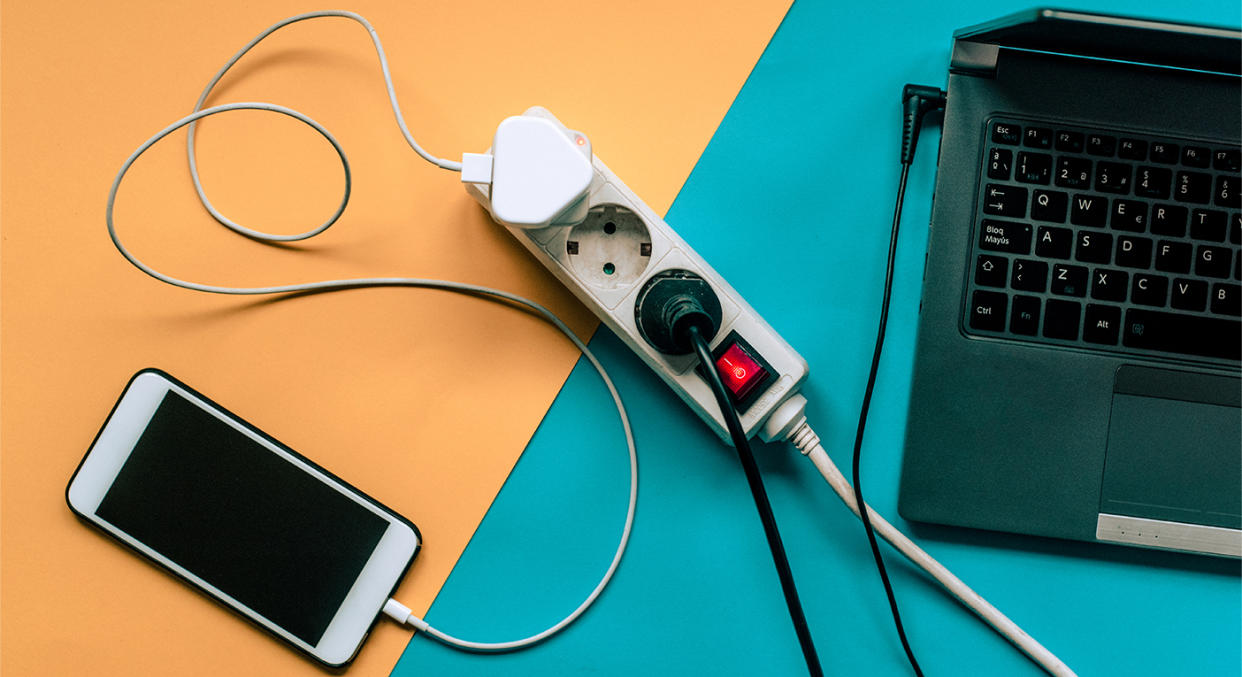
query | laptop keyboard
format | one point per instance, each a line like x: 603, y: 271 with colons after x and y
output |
x: 1108, y: 241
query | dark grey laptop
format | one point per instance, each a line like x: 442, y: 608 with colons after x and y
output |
x: 1077, y: 367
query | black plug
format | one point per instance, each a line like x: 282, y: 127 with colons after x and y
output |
x: 670, y: 304
x: 917, y: 101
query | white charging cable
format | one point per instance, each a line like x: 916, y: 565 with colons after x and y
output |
x: 788, y: 423
x: 392, y: 608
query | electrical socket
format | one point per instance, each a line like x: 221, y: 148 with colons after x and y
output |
x: 611, y: 248
x: 606, y: 267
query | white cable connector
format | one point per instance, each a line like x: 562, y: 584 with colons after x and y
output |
x: 789, y: 423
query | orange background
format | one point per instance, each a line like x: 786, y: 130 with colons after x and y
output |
x: 423, y: 399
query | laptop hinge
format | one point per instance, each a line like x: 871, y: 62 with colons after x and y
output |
x: 974, y: 58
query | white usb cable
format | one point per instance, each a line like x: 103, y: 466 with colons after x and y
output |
x: 392, y: 608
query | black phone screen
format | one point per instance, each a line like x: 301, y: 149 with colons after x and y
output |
x: 242, y: 518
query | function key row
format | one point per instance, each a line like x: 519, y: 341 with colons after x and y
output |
x: 1113, y: 177
x: 1105, y: 145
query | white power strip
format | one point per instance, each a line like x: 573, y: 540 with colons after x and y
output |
x: 612, y: 247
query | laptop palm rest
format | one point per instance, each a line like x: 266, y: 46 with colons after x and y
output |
x: 1172, y: 468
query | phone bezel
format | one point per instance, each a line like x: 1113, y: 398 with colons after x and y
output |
x: 115, y: 441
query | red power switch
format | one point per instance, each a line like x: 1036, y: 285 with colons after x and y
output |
x: 740, y: 371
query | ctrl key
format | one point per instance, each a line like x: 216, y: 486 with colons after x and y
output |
x: 987, y: 310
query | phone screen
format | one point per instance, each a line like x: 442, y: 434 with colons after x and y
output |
x: 242, y: 518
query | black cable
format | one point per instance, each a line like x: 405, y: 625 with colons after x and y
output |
x: 862, y: 424
x: 761, y: 502
x: 916, y: 101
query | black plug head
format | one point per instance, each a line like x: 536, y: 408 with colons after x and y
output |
x: 916, y: 101
x: 670, y: 304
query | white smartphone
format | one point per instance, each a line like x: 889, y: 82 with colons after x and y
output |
x: 242, y: 517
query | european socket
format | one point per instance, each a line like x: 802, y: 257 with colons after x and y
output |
x: 610, y: 249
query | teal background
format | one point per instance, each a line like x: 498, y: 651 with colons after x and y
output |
x: 791, y: 202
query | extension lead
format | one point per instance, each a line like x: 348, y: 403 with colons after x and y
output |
x: 393, y: 608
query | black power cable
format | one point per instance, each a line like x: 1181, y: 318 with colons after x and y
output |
x: 761, y: 501
x: 916, y: 101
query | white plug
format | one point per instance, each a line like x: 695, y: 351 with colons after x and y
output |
x: 536, y: 174
x: 629, y: 267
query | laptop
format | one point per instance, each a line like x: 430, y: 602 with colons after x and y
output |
x: 1077, y: 364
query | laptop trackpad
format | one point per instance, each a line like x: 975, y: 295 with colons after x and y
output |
x: 1174, y: 451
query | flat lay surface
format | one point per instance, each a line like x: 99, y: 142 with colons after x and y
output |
x: 408, y: 395
x: 791, y: 203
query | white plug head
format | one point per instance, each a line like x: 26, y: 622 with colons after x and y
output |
x: 537, y: 172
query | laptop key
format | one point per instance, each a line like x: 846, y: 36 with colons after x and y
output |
x: 1186, y: 334
x: 1164, y: 152
x: 1196, y: 156
x: 1094, y: 247
x: 1049, y: 205
x: 1112, y: 177
x: 1133, y: 252
x: 1089, y: 210
x: 1029, y: 275
x: 1005, y: 132
x: 1235, y: 228
x: 1038, y: 137
x: 1192, y: 187
x: 1129, y: 215
x: 1188, y: 294
x: 1109, y: 285
x: 1212, y: 261
x: 1069, y: 280
x: 1100, y: 144
x: 1226, y: 191
x: 1061, y: 319
x: 1054, y: 243
x: 1073, y: 172
x: 987, y: 310
x: 1208, y: 224
x: 1173, y: 257
x: 1168, y: 220
x: 1004, y: 200
x: 991, y: 271
x: 999, y: 162
x: 1229, y: 160
x: 1034, y: 168
x: 1004, y: 236
x: 1149, y: 290
x: 1226, y: 299
x: 1153, y: 182
x: 1132, y: 149
x: 1101, y: 324
x: 1024, y: 318
x: 1070, y: 142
